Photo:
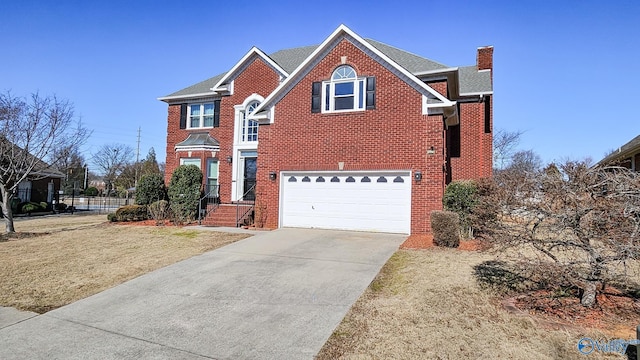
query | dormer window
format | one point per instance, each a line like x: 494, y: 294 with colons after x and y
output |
x: 344, y: 92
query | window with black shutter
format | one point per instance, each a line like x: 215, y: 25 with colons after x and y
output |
x: 371, y: 93
x: 316, y: 97
x: 183, y: 116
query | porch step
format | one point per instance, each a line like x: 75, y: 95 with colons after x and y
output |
x: 223, y: 215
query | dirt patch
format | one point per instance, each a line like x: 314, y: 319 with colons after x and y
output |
x: 614, y: 314
x: 65, y: 260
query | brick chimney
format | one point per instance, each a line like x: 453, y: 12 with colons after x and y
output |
x: 485, y: 58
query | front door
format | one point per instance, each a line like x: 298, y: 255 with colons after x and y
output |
x: 250, y: 168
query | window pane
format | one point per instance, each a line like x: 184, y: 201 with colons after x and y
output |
x: 344, y: 72
x: 360, y: 94
x: 208, y: 121
x: 212, y: 169
x: 344, y: 103
x: 187, y: 161
x: 195, y: 121
x: 327, y: 97
x: 208, y: 109
x: 344, y: 88
x: 195, y: 110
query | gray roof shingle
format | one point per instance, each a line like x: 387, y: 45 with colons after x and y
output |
x: 471, y: 80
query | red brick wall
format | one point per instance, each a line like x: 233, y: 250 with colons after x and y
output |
x: 393, y: 136
x: 475, y: 159
x: 257, y: 77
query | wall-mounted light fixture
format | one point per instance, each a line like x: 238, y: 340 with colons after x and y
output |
x: 272, y: 175
x: 229, y: 159
x: 431, y: 150
x: 417, y: 175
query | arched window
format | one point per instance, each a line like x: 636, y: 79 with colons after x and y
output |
x: 249, y: 127
x: 345, y: 91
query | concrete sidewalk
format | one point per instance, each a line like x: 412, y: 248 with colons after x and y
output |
x: 276, y: 295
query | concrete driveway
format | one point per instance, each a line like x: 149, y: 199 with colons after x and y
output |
x: 276, y: 295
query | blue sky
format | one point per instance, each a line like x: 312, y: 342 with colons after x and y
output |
x: 565, y: 71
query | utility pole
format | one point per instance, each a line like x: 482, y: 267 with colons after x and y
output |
x: 135, y: 180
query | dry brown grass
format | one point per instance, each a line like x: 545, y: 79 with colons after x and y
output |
x: 79, y: 256
x: 425, y: 304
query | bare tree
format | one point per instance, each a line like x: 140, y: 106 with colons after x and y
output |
x: 582, y: 223
x: 504, y: 145
x: 111, y: 160
x: 525, y: 161
x: 70, y: 162
x: 30, y: 128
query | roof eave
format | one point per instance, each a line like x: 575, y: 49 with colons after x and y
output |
x: 186, y: 97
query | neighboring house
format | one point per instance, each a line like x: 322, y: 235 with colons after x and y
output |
x: 628, y: 155
x: 350, y: 134
x: 41, y: 185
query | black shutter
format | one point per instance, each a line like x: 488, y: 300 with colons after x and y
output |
x: 183, y: 116
x: 487, y: 114
x: 371, y: 93
x: 316, y: 97
x: 216, y: 113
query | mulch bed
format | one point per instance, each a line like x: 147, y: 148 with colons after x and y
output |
x: 425, y: 241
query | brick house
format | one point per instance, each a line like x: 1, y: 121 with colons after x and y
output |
x: 350, y: 134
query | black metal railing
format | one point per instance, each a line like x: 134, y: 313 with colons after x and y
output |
x: 209, y: 201
x: 245, y: 205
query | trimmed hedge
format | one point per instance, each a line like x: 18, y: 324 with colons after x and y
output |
x: 446, y: 228
x: 461, y: 197
x: 184, y: 193
x: 131, y: 213
x: 150, y: 189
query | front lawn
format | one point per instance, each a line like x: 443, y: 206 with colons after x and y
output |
x: 427, y: 304
x: 59, y: 260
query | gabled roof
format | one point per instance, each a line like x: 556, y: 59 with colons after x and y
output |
x: 623, y: 152
x: 254, y: 52
x: 343, y: 32
x: 471, y: 81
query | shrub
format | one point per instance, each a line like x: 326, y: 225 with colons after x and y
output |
x: 44, y: 205
x: 484, y: 215
x: 150, y: 188
x: 27, y: 208
x: 446, y: 228
x: 159, y: 211
x: 184, y: 192
x: 132, y: 213
x: 91, y: 191
x: 112, y: 217
x: 61, y: 206
x: 461, y: 197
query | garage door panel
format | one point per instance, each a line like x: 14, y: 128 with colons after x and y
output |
x: 354, y: 201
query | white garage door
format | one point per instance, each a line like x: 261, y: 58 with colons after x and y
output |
x: 373, y: 201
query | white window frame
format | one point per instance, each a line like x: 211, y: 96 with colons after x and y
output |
x: 201, y: 116
x: 244, y: 126
x: 344, y: 74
